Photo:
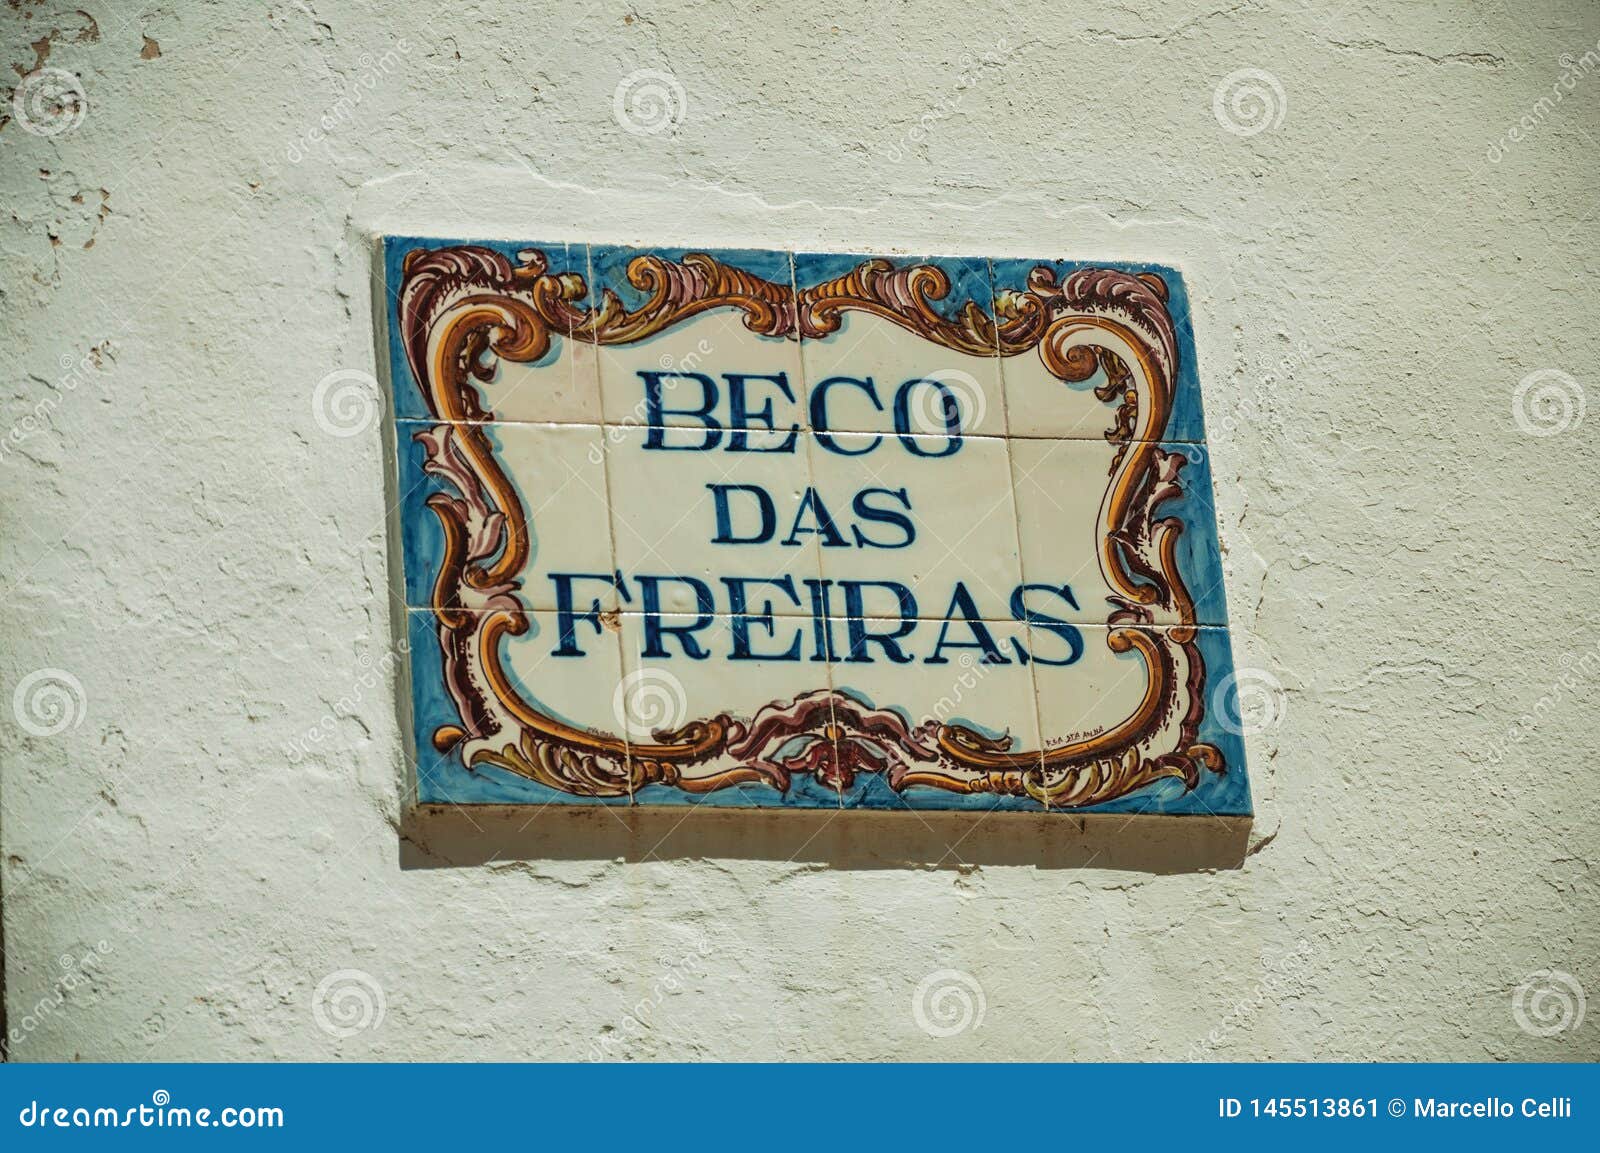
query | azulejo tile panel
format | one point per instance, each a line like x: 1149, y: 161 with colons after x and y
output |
x: 762, y: 529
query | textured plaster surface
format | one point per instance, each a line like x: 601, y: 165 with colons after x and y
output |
x: 216, y: 829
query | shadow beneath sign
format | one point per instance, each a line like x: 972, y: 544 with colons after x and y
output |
x: 460, y: 836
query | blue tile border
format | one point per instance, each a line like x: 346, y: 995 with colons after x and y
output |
x: 1218, y: 795
x: 421, y: 536
x: 1199, y: 550
x: 608, y: 267
x: 441, y: 778
x: 406, y: 398
x: 970, y: 276
x: 1187, y: 421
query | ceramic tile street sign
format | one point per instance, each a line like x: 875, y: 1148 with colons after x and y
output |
x: 768, y: 529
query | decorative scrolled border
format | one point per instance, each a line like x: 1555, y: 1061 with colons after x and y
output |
x: 459, y: 308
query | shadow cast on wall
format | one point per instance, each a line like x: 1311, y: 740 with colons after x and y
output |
x: 442, y: 837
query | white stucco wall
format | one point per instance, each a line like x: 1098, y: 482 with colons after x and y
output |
x: 200, y: 565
